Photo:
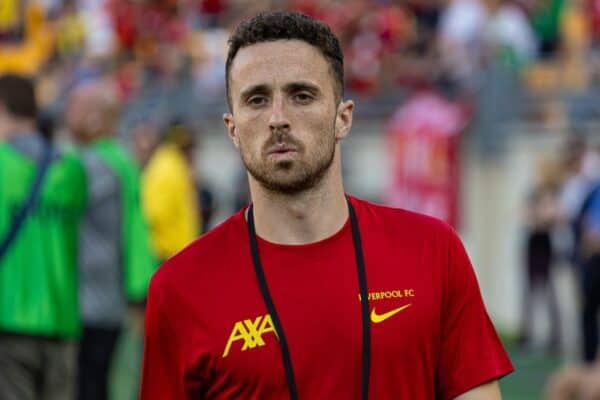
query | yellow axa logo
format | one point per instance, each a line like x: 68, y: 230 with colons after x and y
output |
x: 251, y: 332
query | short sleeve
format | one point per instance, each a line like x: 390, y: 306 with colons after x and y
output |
x: 471, y: 352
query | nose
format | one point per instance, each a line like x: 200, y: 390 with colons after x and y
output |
x: 278, y: 122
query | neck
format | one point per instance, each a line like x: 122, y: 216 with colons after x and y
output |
x: 17, y: 127
x: 300, y: 218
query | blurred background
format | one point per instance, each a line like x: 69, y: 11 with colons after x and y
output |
x: 484, y: 113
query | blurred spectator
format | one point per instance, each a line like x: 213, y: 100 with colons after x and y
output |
x: 381, y: 32
x: 388, y: 44
x: 542, y: 217
x: 592, y: 8
x: 592, y: 12
x: 427, y: 16
x: 100, y: 33
x: 70, y: 32
x: 509, y: 34
x: 576, y: 183
x: 41, y: 202
x: 208, y: 206
x: 207, y: 51
x: 115, y: 258
x: 141, y: 26
x: 46, y: 125
x: 588, y: 232
x: 26, y: 39
x: 546, y: 21
x: 169, y: 193
x: 509, y: 46
x: 575, y: 46
x: 579, y: 202
x: 144, y: 142
x: 211, y: 12
x: 423, y: 146
x: 11, y: 21
x: 461, y: 42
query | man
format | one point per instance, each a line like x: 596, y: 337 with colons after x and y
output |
x: 583, y: 381
x: 115, y: 258
x: 271, y: 309
x: 590, y: 256
x: 39, y: 319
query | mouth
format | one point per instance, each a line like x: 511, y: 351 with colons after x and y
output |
x: 281, y: 150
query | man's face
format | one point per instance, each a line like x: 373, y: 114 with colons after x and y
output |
x: 285, y: 121
x: 89, y: 113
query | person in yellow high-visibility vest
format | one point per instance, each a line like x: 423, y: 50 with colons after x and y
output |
x: 169, y: 193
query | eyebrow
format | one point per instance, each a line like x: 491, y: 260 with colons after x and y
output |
x: 289, y: 87
x: 301, y: 85
x: 254, y: 89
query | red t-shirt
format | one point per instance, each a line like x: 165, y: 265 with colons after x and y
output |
x: 208, y: 334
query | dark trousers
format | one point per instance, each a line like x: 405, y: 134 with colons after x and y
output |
x: 95, y: 355
x: 539, y: 264
x: 36, y: 368
x: 591, y: 306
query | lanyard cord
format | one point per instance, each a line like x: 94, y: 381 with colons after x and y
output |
x: 364, y: 303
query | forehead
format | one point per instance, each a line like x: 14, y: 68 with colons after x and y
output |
x: 277, y: 63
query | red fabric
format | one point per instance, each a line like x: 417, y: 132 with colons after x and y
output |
x: 423, y: 138
x: 207, y: 295
x: 135, y: 22
x: 593, y: 13
x: 213, y: 6
x: 124, y: 15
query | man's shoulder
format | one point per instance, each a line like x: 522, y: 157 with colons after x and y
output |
x: 71, y: 164
x: 200, y: 258
x: 400, y: 220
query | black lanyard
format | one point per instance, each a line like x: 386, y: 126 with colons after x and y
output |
x: 364, y: 303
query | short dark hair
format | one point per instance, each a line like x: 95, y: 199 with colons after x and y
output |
x: 179, y: 132
x: 17, y: 95
x: 287, y: 25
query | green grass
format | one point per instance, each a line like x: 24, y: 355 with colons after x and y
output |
x: 532, y: 370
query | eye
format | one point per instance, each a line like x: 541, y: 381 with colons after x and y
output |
x: 303, y: 97
x: 257, y: 101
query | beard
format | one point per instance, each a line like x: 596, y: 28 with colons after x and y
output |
x: 291, y: 176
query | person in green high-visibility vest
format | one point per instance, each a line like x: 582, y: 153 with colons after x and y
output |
x: 116, y: 260
x: 39, y: 318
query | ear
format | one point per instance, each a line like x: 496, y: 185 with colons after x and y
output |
x: 343, y: 119
x: 231, y: 131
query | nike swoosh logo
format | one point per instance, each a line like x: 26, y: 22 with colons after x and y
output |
x: 377, y: 318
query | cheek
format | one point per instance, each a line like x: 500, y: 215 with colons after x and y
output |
x: 249, y: 138
x: 320, y: 126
